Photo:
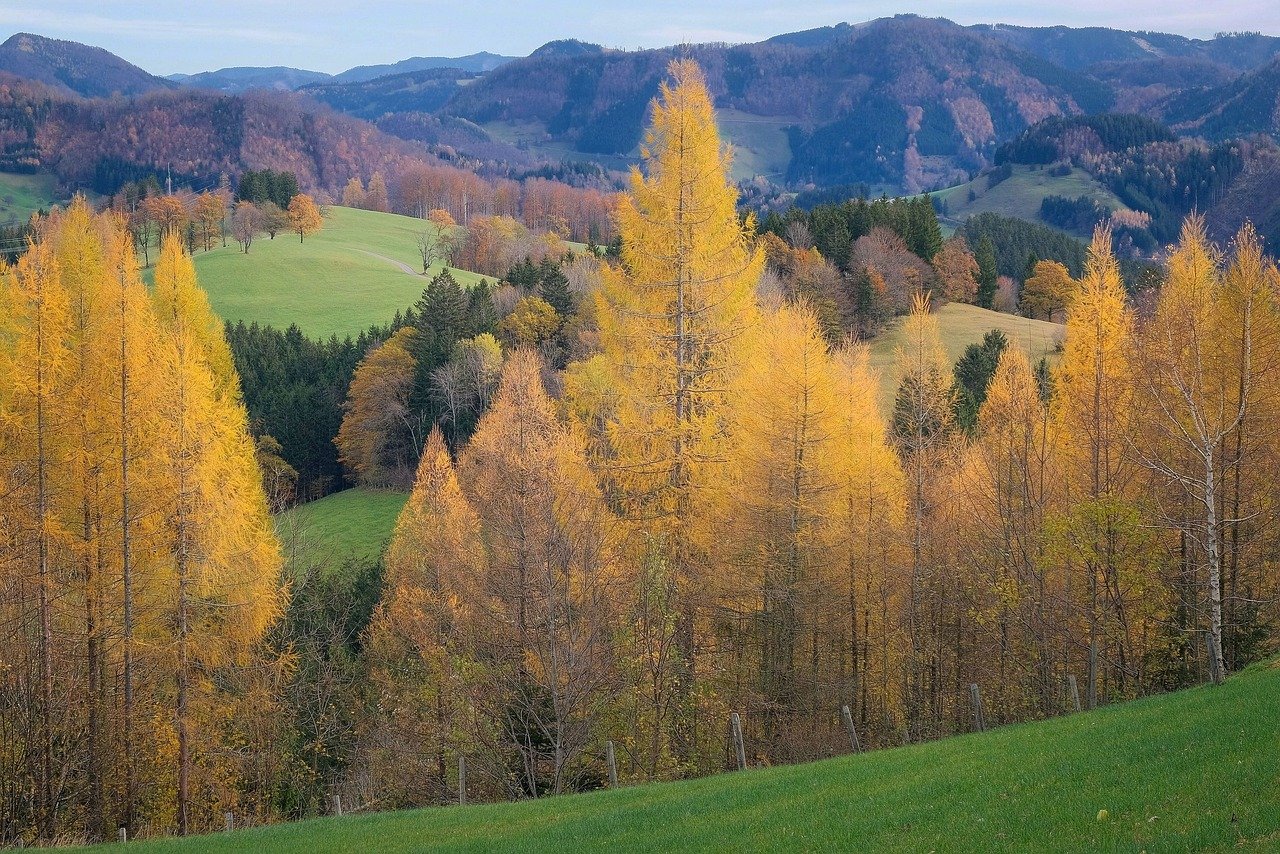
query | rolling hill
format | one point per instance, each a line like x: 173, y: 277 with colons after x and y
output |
x: 476, y: 62
x: 361, y: 269
x: 74, y: 68
x: 1191, y: 771
x: 241, y: 79
x: 960, y: 325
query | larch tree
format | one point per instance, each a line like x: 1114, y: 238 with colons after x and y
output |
x: 225, y: 559
x: 925, y: 433
x: 670, y: 317
x: 784, y: 505
x: 548, y: 620
x: 1093, y: 411
x: 418, y: 638
x: 1207, y: 366
x: 869, y: 523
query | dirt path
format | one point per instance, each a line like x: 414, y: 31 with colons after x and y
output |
x: 403, y: 266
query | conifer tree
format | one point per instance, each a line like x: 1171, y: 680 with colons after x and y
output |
x: 669, y: 318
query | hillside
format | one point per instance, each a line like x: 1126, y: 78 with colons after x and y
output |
x: 241, y: 79
x: 476, y: 62
x: 1247, y: 105
x: 959, y: 326
x: 1192, y: 771
x: 359, y: 270
x: 900, y: 102
x: 425, y: 90
x: 355, y: 523
x: 74, y: 68
x: 1020, y: 195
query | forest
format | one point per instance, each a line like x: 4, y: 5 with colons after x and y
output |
x: 651, y: 486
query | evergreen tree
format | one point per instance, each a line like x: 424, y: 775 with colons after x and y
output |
x: 987, y: 272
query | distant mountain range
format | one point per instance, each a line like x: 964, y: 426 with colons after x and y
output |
x: 899, y: 104
x: 242, y: 79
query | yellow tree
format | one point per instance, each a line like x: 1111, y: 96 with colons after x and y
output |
x: 35, y: 372
x: 868, y: 522
x: 225, y: 558
x: 379, y: 437
x: 1093, y: 414
x: 1208, y: 367
x: 782, y: 508
x: 924, y: 432
x: 669, y: 320
x: 304, y: 217
x: 435, y: 567
x: 548, y: 618
x: 1010, y: 481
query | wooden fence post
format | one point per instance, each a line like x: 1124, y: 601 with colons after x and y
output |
x: 735, y: 724
x: 337, y: 805
x: 462, y: 781
x: 613, y: 764
x: 853, y: 733
x: 1075, y: 691
x: 979, y: 719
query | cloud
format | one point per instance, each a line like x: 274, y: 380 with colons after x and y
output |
x: 149, y: 29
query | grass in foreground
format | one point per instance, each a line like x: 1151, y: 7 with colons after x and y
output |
x: 355, y: 523
x: 961, y: 325
x: 342, y: 280
x: 1193, y: 771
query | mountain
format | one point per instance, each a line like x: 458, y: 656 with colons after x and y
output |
x: 476, y: 62
x: 75, y: 68
x: 899, y: 103
x: 1247, y: 105
x: 414, y: 91
x: 1079, y: 48
x: 241, y: 79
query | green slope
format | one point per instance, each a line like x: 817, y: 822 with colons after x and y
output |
x: 1193, y: 771
x: 342, y: 280
x: 959, y: 326
x: 354, y: 523
x: 1020, y: 195
x: 21, y: 194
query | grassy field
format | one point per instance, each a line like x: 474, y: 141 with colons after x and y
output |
x: 961, y: 325
x: 23, y: 195
x: 1193, y: 771
x: 1021, y: 194
x: 342, y: 280
x: 760, y: 144
x: 352, y: 523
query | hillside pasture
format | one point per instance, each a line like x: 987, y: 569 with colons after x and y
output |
x: 359, y: 270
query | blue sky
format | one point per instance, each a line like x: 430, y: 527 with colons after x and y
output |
x: 332, y: 35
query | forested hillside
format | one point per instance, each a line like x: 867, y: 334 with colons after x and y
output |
x: 642, y: 475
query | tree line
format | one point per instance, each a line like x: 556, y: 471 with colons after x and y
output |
x: 646, y: 492
x: 138, y: 566
x: 705, y: 513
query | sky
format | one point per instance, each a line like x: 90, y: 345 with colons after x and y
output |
x: 333, y: 35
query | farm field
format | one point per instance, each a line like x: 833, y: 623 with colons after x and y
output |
x: 1192, y: 771
x: 359, y: 270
